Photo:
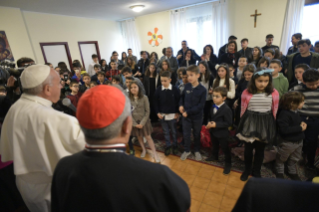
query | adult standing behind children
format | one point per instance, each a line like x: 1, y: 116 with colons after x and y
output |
x: 224, y: 49
x: 130, y: 54
x: 269, y: 40
x: 95, y: 59
x: 181, y: 54
x: 211, y: 59
x: 128, y: 183
x: 48, y: 136
x: 171, y: 59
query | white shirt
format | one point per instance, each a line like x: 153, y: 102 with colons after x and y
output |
x: 91, y: 71
x: 168, y: 116
x: 231, y: 92
x: 36, y: 137
x: 215, y: 109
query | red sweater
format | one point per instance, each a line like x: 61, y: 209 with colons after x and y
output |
x: 111, y: 73
x: 74, y: 99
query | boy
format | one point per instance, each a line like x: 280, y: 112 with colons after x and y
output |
x: 113, y: 71
x: 101, y: 78
x: 269, y: 40
x: 242, y: 62
x: 279, y: 81
x: 309, y: 113
x: 86, y: 82
x: 97, y: 68
x: 166, y: 100
x: 295, y: 38
x: 91, y: 68
x: 231, y: 73
x: 220, y: 118
x: 93, y: 84
x: 75, y: 95
x: 128, y: 81
x: 299, y: 70
x: 192, y: 104
x: 116, y: 80
x: 127, y: 72
x: 246, y: 51
x: 270, y: 53
x: 184, y: 80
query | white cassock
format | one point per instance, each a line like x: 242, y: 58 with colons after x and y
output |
x: 36, y: 137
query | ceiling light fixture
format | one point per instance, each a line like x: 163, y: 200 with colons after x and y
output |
x: 137, y: 8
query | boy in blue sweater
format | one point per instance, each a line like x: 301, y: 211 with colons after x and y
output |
x: 192, y: 104
x: 166, y: 100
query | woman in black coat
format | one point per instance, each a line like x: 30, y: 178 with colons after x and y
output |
x: 210, y: 58
x: 232, y: 56
x: 189, y: 59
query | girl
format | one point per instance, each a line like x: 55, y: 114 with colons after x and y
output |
x: 166, y: 67
x: 124, y: 57
x: 231, y: 57
x: 141, y: 123
x: 210, y: 58
x: 222, y: 79
x: 131, y: 63
x: 291, y: 131
x: 264, y: 62
x: 248, y: 72
x: 189, y: 59
x: 154, y: 54
x: 103, y: 65
x: 150, y: 84
x: 206, y: 79
x: 259, y: 105
x: 257, y: 55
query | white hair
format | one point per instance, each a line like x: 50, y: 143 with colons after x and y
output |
x: 113, y: 129
x: 38, y: 89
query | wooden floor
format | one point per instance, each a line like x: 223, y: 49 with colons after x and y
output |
x: 210, y: 190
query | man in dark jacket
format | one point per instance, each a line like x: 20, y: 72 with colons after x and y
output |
x: 181, y: 54
x: 223, y: 49
x: 246, y: 51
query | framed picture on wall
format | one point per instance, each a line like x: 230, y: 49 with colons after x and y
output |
x: 5, y: 50
x: 87, y: 48
x: 56, y: 52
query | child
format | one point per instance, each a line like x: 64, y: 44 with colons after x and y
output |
x: 259, y: 105
x: 257, y: 55
x: 264, y: 62
x: 181, y: 87
x: 166, y: 99
x: 299, y: 70
x: 192, y: 103
x: 206, y: 79
x: 166, y: 67
x: 223, y: 80
x: 113, y: 71
x: 291, y: 131
x: 91, y: 68
x: 220, y: 118
x: 231, y: 74
x: 242, y: 62
x: 101, y: 78
x: 116, y: 80
x: 310, y: 113
x: 97, y: 68
x: 75, y: 95
x: 127, y: 72
x: 180, y: 76
x: 270, y: 53
x: 93, y: 84
x: 141, y: 123
x: 128, y: 81
x: 87, y: 80
x: 279, y: 81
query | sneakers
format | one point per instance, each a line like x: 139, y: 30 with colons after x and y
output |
x: 280, y: 176
x: 198, y: 156
x: 212, y: 158
x: 132, y: 152
x: 245, y: 175
x: 185, y: 155
x: 168, y: 151
x: 175, y: 150
x: 295, y: 177
x: 227, y: 169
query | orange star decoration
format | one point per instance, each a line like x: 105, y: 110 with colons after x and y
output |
x: 157, y: 38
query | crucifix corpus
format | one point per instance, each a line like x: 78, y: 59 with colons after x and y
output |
x: 255, y: 15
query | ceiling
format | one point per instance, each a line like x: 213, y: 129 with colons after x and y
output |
x: 99, y: 9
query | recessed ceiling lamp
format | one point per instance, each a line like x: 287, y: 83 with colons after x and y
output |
x: 137, y: 8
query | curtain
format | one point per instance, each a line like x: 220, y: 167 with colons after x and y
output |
x: 219, y: 24
x: 178, y: 28
x: 292, y: 22
x: 130, y: 36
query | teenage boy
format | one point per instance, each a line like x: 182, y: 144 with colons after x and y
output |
x: 242, y: 62
x: 95, y: 59
x: 279, y: 81
x: 269, y: 40
x: 295, y: 38
x: 223, y: 49
x: 299, y: 70
x: 246, y: 51
x: 127, y: 72
x: 220, y: 119
x: 270, y: 53
x: 86, y: 82
x: 310, y: 113
x: 303, y: 56
x: 101, y: 78
x: 116, y: 80
x: 113, y: 71
x: 130, y: 54
x: 166, y: 100
x: 192, y: 104
x: 97, y: 68
x: 75, y: 95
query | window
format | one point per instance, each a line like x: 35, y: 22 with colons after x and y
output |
x: 309, y: 27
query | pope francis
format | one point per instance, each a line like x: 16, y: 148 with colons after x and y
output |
x: 35, y: 136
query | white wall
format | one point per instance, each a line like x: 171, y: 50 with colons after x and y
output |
x: 57, y: 28
x: 13, y: 25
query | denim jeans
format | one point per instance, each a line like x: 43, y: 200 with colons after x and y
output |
x: 188, y: 125
x: 169, y: 125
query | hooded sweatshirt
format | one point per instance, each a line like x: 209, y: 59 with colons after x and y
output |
x: 281, y: 84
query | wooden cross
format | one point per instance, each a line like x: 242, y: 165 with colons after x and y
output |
x: 255, y: 15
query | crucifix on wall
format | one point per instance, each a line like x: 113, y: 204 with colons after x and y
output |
x: 255, y: 15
